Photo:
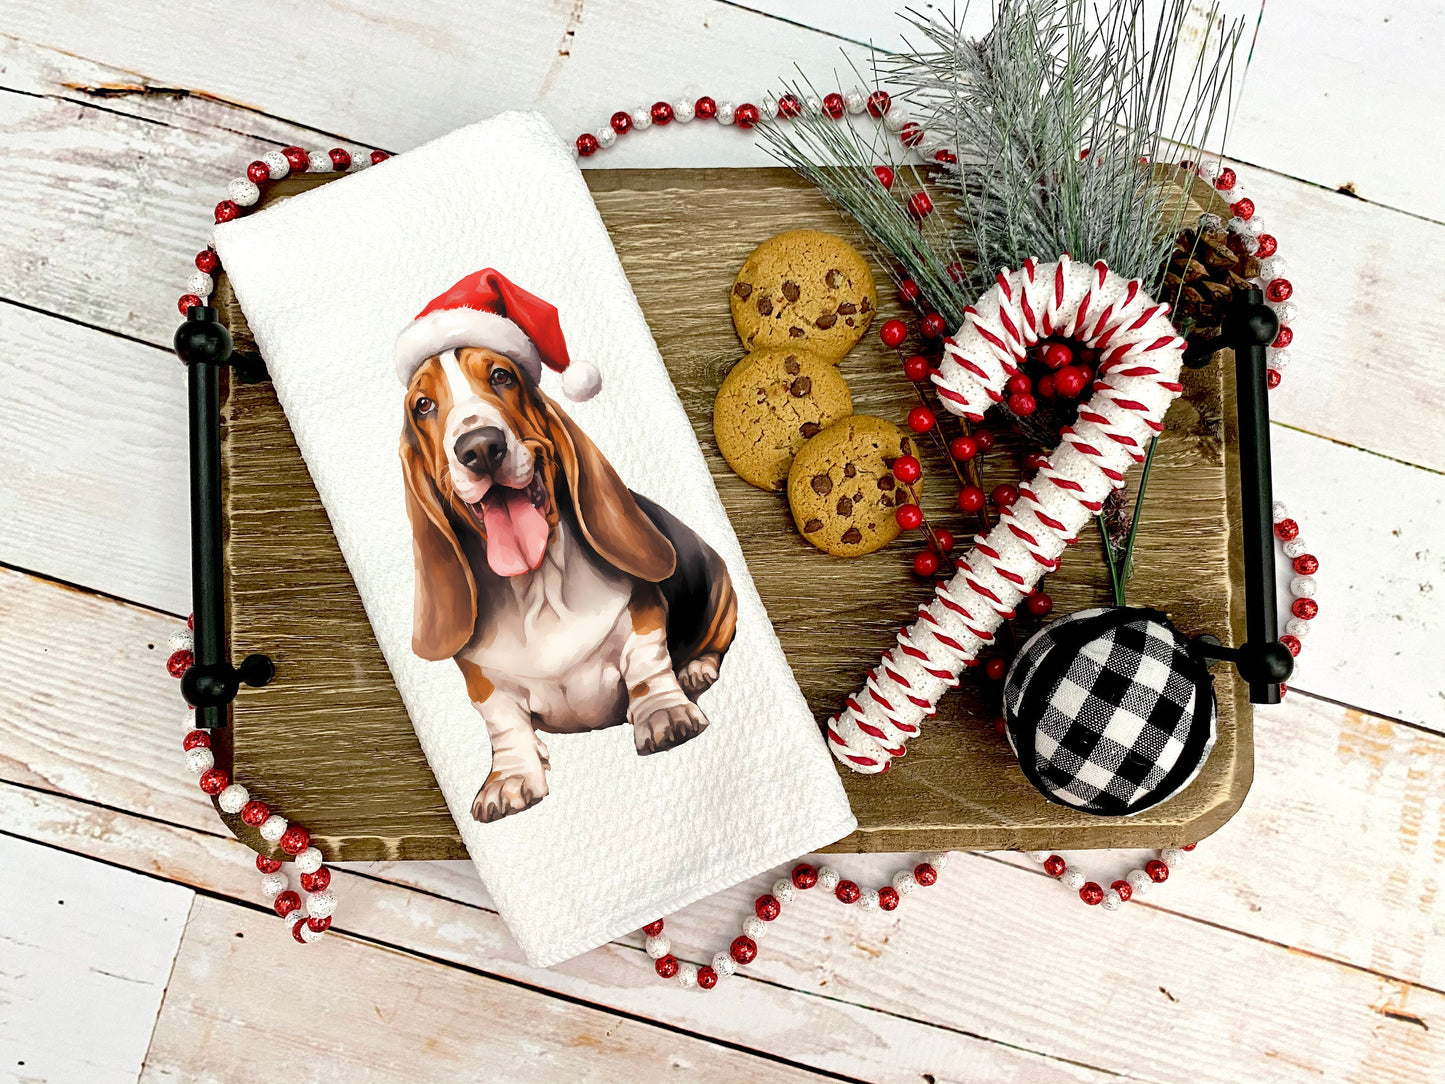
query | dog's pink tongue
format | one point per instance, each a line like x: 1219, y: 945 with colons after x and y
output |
x: 516, y: 531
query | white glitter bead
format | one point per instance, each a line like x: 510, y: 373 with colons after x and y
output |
x: 813, y: 105
x: 277, y: 164
x: 682, y: 110
x: 1278, y: 359
x: 200, y: 284
x: 938, y: 860
x: 1302, y: 587
x: 828, y: 878
x: 1039, y: 856
x: 1072, y: 878
x: 687, y: 975
x: 723, y: 964
x: 1285, y: 310
x: 1209, y: 171
x: 642, y: 118
x: 200, y: 759
x: 1297, y: 627
x: 273, y: 828
x: 188, y: 719
x: 1272, y: 267
x: 1295, y: 547
x: 783, y: 889
x: 754, y: 927
x: 927, y: 145
x: 1172, y: 856
x: 869, y: 900
x: 233, y: 798
x: 321, y: 904
x: 273, y: 884
x: 1247, y: 230
x: 1209, y: 222
x: 1280, y: 511
x: 1235, y: 192
x: 309, y: 935
x: 184, y: 640
x: 659, y: 946
x: 309, y: 860
x: 903, y: 882
x: 318, y: 161
x: 1111, y: 900
x: 606, y: 136
x: 725, y: 111
x: 769, y: 108
x: 856, y: 101
x: 242, y: 191
x: 897, y: 117
x: 1140, y: 882
x: 360, y: 160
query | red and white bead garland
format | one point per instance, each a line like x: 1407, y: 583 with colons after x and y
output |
x: 292, y: 839
x: 1137, y: 882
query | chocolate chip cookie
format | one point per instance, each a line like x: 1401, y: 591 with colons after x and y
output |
x: 804, y: 288
x: 841, y: 487
x: 769, y: 405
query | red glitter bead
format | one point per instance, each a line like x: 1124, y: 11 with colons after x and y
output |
x: 1000, y: 726
x: 340, y: 159
x: 946, y: 157
x: 1291, y: 642
x: 621, y: 122
x: 666, y: 966
x: 919, y: 205
x: 1189, y: 846
x: 789, y: 106
x: 195, y: 738
x: 258, y: 172
x: 887, y: 898
x: 1284, y: 338
x: 995, y: 668
x: 587, y: 144
x: 925, y: 874
x: 1283, y: 688
x: 1305, y: 608
x: 1278, y: 290
x: 1158, y: 872
x: 191, y: 622
x: 744, y: 950
x: 1271, y: 378
x: 746, y: 115
x: 1091, y: 894
x: 1005, y: 496
x: 932, y: 325
x: 319, y: 925
x: 652, y: 929
x: 227, y: 210
x: 985, y: 439
x: 847, y: 892
x: 1225, y: 180
x: 921, y: 419
x: 207, y: 261
x: 879, y: 103
x: 1057, y: 355
x: 833, y: 105
x: 893, y: 332
x: 186, y: 302
x: 943, y: 539
x: 804, y: 876
x: 911, y: 134
x: 317, y: 881
x: 1023, y: 405
x: 268, y: 865
x: 963, y: 448
x: 1307, y: 564
x: 916, y: 368
x: 705, y: 108
x: 884, y: 175
x: 255, y: 813
x: 706, y: 977
x: 295, y: 840
x: 296, y: 158
x: 296, y: 928
x: 1265, y: 245
x: 1124, y: 888
x: 286, y: 902
x: 378, y: 157
x: 925, y: 563
x: 908, y: 291
x: 179, y: 662
x: 970, y: 499
x: 906, y: 468
x: 1286, y: 530
x: 213, y: 781
x: 1054, y: 866
x: 1040, y: 604
x: 767, y: 907
x: 1244, y: 209
x: 909, y: 516
x: 661, y: 113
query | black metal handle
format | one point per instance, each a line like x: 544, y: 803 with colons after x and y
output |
x: 1262, y: 661
x: 204, y: 344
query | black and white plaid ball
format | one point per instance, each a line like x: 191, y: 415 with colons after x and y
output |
x: 1109, y: 711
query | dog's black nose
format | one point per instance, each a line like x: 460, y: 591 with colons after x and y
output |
x: 482, y: 450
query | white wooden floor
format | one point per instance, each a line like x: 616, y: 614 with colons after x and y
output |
x: 1304, y: 942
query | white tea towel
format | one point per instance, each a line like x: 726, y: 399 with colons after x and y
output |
x: 328, y: 281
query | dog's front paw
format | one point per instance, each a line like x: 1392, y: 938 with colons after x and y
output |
x: 697, y: 677
x: 667, y: 727
x: 505, y: 793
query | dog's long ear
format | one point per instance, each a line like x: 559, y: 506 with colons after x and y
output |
x: 611, y: 521
x: 445, y: 611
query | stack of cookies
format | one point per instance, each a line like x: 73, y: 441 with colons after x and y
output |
x: 784, y: 417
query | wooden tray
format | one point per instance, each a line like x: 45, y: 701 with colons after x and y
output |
x: 329, y: 742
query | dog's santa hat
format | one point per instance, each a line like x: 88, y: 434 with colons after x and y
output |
x: 486, y: 309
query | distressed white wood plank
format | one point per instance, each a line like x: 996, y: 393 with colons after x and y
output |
x: 100, y: 499
x: 85, y: 953
x: 347, y: 1010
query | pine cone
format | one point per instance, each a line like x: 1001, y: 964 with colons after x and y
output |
x: 1203, y: 274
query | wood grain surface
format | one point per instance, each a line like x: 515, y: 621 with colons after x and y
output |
x: 329, y: 742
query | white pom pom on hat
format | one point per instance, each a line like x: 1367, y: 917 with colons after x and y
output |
x: 486, y: 309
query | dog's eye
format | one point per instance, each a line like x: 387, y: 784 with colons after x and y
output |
x: 501, y: 378
x: 424, y: 406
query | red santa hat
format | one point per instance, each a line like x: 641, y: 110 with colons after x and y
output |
x: 485, y: 309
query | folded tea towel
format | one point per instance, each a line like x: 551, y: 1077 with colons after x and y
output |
x: 578, y: 837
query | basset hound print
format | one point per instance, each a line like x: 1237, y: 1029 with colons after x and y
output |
x: 568, y: 602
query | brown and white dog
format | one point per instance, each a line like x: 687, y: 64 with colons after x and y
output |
x: 569, y: 603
